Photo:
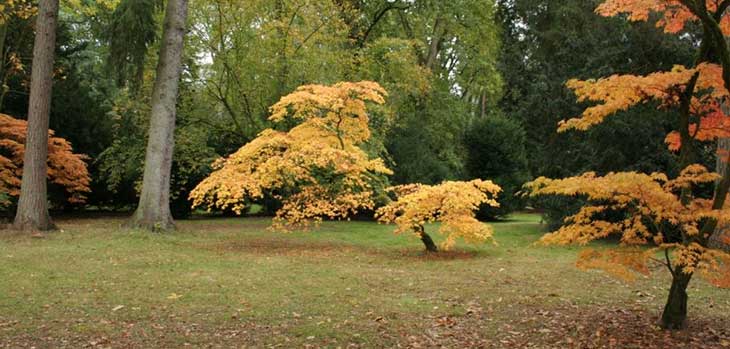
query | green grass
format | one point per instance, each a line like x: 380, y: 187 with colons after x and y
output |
x: 232, y: 283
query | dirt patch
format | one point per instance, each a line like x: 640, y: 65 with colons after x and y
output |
x: 284, y: 246
x: 280, y: 247
x: 421, y: 255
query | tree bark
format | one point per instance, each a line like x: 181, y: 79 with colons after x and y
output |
x: 674, y: 316
x: 32, y: 213
x: 427, y: 241
x: 153, y: 211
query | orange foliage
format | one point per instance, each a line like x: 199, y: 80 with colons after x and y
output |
x: 673, y: 15
x: 621, y: 92
x: 64, y: 167
x: 451, y: 203
x: 317, y: 168
x: 655, y: 215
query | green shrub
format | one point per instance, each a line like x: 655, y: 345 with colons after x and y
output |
x: 495, y: 150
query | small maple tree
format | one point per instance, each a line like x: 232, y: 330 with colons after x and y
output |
x: 64, y: 167
x: 671, y: 214
x: 317, y: 168
x: 454, y: 204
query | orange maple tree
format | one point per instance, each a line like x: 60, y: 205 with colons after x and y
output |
x: 64, y: 167
x: 652, y: 209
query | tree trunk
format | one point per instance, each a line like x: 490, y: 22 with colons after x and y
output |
x: 153, y: 211
x: 3, y: 36
x: 674, y: 316
x: 427, y: 241
x: 32, y: 211
x: 718, y: 239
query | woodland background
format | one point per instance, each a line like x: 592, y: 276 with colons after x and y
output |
x: 475, y: 90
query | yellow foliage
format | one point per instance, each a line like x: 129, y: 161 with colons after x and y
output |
x: 451, y: 203
x: 22, y: 9
x: 64, y: 167
x: 621, y: 263
x: 317, y: 168
x: 654, y: 214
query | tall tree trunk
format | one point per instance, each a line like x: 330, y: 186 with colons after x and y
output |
x: 674, y: 316
x: 153, y: 211
x: 32, y: 211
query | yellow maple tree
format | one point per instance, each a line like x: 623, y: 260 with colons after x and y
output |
x: 451, y: 203
x: 317, y: 168
x: 65, y: 168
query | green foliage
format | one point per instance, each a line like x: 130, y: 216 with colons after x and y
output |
x: 122, y: 163
x: 547, y: 42
x: 132, y: 29
x: 495, y: 150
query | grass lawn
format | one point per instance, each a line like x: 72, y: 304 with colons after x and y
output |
x: 230, y: 283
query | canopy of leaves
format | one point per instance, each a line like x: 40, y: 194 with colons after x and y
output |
x: 64, y: 167
x: 317, y: 168
x: 454, y: 204
x: 621, y: 92
x: 655, y: 214
x: 674, y: 14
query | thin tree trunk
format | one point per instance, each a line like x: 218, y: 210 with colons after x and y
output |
x: 153, y: 211
x: 674, y: 316
x: 3, y: 56
x: 426, y: 239
x: 32, y: 211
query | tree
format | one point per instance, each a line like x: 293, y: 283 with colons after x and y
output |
x: 132, y: 29
x: 65, y: 168
x: 452, y: 203
x: 32, y: 213
x: 495, y: 148
x: 153, y: 211
x: 317, y: 168
x: 673, y: 214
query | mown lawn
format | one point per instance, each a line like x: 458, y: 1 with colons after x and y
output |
x: 230, y: 283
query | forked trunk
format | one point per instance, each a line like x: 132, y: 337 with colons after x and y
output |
x: 675, y: 312
x: 32, y: 213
